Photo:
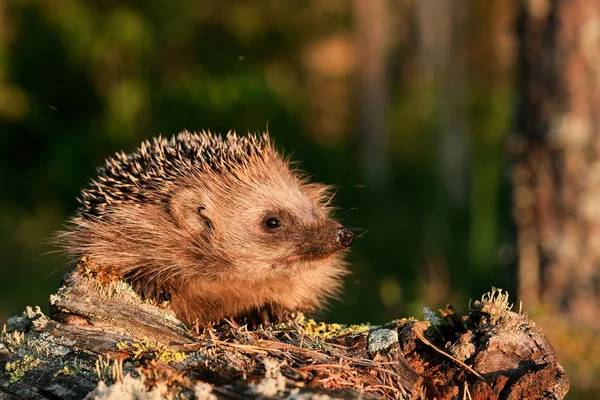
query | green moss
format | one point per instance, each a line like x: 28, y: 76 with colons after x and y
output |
x: 74, y: 367
x: 17, y: 369
x: 162, y: 352
x: 65, y: 371
x: 323, y: 331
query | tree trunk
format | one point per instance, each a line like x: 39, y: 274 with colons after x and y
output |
x: 557, y: 173
x: 371, y: 28
x: 441, y: 36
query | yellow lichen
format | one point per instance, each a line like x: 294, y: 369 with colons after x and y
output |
x: 64, y: 371
x: 17, y: 369
x: 323, y: 331
x: 497, y: 298
x: 162, y: 352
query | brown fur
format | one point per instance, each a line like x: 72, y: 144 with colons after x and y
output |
x: 185, y: 227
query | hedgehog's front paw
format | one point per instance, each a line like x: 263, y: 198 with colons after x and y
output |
x: 267, y: 315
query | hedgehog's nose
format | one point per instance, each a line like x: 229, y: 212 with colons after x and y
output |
x: 345, y: 236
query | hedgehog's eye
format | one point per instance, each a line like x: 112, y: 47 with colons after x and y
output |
x: 272, y: 223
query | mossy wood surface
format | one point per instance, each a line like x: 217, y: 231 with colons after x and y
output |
x: 103, y: 341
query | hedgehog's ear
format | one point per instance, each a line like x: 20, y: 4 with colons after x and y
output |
x: 189, y: 209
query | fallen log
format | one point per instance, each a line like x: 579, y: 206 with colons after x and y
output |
x: 102, y: 341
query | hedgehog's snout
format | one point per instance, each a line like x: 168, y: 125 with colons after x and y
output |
x: 345, y: 236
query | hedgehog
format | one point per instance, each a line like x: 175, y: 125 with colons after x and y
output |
x: 218, y: 226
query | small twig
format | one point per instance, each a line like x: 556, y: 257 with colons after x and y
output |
x: 427, y: 342
x: 339, y: 346
x: 467, y: 393
x: 233, y: 324
x: 278, y: 345
x: 322, y: 366
x: 246, y: 347
x: 376, y: 387
x: 365, y: 362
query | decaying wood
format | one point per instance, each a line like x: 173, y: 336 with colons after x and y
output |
x: 103, y: 341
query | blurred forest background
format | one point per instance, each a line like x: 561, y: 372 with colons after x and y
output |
x: 461, y: 138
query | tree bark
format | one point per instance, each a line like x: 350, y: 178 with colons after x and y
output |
x: 103, y: 341
x: 557, y: 171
